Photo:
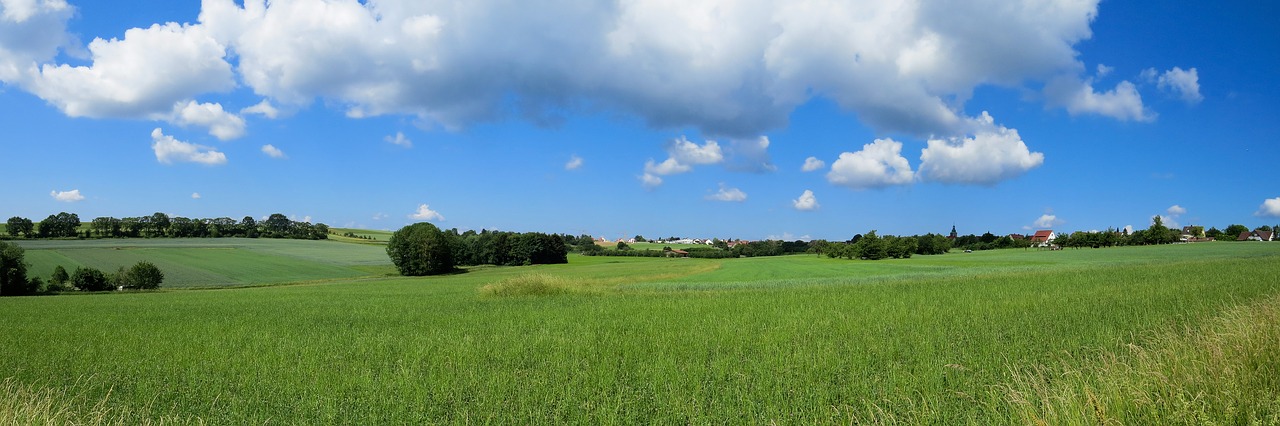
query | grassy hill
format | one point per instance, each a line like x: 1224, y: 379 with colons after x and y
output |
x: 995, y: 337
x: 206, y: 262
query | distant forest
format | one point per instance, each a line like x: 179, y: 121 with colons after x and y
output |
x: 160, y: 225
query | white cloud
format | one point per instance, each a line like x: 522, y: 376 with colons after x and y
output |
x: 425, y: 213
x: 728, y: 194
x: 1078, y: 97
x: 735, y: 69
x: 1104, y: 70
x: 879, y: 164
x: 1269, y: 208
x: 574, y: 163
x: 272, y: 151
x: 195, y: 195
x: 1170, y: 221
x: 399, y: 139
x: 30, y: 33
x: 650, y: 180
x: 1186, y: 84
x: 379, y: 216
x: 1176, y: 210
x: 993, y: 154
x: 141, y: 76
x: 813, y: 164
x: 1047, y: 221
x: 306, y: 219
x: 1128, y: 229
x: 169, y: 150
x: 221, y: 124
x: 263, y: 108
x: 682, y: 156
x: 806, y: 202
x: 66, y: 196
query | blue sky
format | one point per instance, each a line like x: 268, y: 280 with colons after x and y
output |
x: 730, y: 119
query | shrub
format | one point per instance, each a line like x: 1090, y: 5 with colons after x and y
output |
x: 145, y: 275
x: 90, y: 279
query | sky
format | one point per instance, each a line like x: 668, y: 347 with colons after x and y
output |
x: 741, y: 119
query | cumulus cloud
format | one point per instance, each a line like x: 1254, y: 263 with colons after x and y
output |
x: 879, y: 164
x: 272, y: 151
x: 221, y: 124
x: 169, y: 150
x: 728, y: 194
x: 806, y: 202
x: 195, y: 195
x: 1047, y: 221
x: 263, y: 108
x: 425, y: 213
x: 142, y: 75
x: 1170, y: 218
x: 813, y: 164
x: 1185, y: 84
x: 682, y: 156
x: 993, y: 154
x: 66, y: 196
x: 1079, y: 97
x: 1176, y: 210
x: 733, y: 69
x: 574, y: 163
x: 399, y: 139
x: 31, y: 33
x: 1269, y: 208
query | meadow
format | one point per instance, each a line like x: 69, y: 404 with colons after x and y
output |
x: 1185, y: 334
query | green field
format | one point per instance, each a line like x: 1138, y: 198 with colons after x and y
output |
x: 996, y: 337
x: 203, y: 262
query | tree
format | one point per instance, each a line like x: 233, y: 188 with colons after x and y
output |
x: 639, y: 238
x: 623, y: 246
x: 20, y: 225
x: 158, y: 224
x: 277, y: 225
x: 90, y: 279
x: 59, y: 280
x: 145, y: 275
x: 13, y: 271
x: 421, y: 249
x: 1232, y: 232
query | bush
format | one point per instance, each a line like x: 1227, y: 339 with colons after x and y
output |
x: 421, y: 249
x: 145, y: 275
x: 90, y: 279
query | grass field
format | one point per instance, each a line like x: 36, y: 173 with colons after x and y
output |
x: 204, y: 262
x: 1067, y: 337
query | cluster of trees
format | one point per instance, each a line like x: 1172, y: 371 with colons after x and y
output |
x: 15, y: 282
x: 424, y: 249
x: 874, y: 247
x: 67, y: 225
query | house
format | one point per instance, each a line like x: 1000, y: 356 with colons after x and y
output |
x: 1017, y: 237
x: 1256, y: 235
x: 1044, y: 237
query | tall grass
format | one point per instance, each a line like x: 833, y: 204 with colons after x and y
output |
x: 1225, y: 371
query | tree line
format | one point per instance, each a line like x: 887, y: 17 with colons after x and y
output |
x: 424, y: 249
x: 14, y: 280
x: 157, y: 225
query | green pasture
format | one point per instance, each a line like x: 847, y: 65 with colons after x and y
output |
x: 799, y: 339
x: 375, y: 235
x: 213, y: 262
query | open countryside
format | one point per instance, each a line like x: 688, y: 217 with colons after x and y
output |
x: 767, y: 212
x: 990, y: 337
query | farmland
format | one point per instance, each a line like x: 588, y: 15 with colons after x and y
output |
x: 982, y: 338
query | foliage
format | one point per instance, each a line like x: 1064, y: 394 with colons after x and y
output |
x: 61, y: 225
x: 90, y: 279
x: 13, y: 271
x: 145, y: 275
x: 19, y: 225
x: 421, y: 249
x: 1233, y: 231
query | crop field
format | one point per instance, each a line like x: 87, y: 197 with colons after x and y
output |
x: 1183, y: 334
x: 203, y: 262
